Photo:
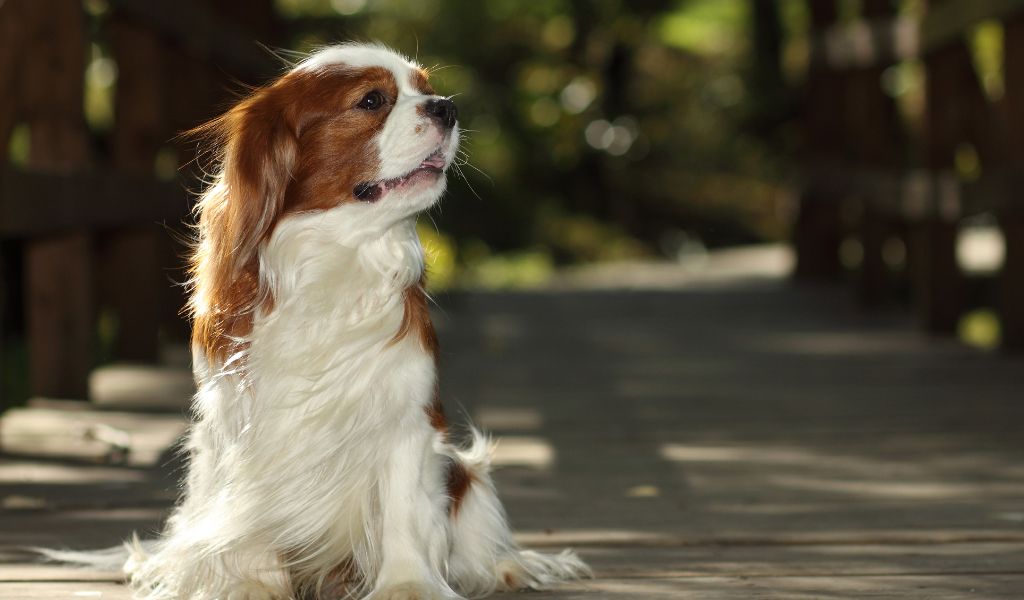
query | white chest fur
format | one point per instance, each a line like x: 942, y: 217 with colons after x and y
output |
x: 328, y: 345
x: 326, y: 386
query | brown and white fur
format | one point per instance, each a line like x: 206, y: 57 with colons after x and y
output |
x: 319, y: 462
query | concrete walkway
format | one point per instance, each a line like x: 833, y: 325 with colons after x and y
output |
x: 728, y: 440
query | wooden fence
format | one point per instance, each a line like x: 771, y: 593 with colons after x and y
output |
x: 94, y: 231
x: 870, y: 175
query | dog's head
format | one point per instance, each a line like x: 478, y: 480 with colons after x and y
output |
x: 350, y: 124
x: 354, y: 131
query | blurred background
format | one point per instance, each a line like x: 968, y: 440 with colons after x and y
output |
x: 874, y: 144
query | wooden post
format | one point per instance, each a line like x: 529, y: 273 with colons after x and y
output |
x: 59, y: 269
x: 817, y: 232
x: 11, y: 29
x: 131, y: 255
x: 1011, y: 218
x: 873, y: 276
x: 1011, y: 281
x: 874, y: 142
x: 936, y: 282
x: 935, y: 276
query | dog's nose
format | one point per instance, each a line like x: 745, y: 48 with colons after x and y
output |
x: 443, y: 110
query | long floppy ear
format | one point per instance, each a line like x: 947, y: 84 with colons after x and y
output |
x: 237, y: 213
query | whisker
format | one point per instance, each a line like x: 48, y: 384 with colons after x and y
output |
x: 287, y: 58
x: 458, y: 169
x: 431, y: 217
x: 436, y: 68
x: 480, y: 171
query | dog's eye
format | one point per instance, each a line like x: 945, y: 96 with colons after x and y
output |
x: 372, y: 101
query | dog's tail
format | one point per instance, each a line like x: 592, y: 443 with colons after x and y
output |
x: 484, y: 556
x: 121, y: 558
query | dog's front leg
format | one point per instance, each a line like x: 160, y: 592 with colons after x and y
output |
x: 414, y: 532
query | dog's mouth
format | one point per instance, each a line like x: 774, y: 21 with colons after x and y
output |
x: 431, y: 166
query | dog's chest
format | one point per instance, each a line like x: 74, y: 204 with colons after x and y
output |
x: 349, y: 354
x: 334, y: 338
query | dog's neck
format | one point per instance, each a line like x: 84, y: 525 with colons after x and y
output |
x: 396, y: 258
x: 309, y: 270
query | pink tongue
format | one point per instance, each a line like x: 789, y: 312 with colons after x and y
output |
x: 434, y: 160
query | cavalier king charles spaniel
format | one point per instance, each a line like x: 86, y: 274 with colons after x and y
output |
x: 319, y: 462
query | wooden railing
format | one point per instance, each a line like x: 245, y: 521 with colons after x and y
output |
x: 79, y: 229
x: 34, y: 204
x: 88, y: 236
x: 857, y: 155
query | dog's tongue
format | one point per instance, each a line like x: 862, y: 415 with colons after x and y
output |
x: 435, y: 160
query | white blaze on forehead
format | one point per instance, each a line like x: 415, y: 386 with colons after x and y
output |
x: 362, y: 56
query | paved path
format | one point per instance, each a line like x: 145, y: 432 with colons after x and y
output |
x: 723, y: 441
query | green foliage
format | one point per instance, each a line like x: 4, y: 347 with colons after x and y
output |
x: 100, y: 78
x: 712, y: 28
x: 586, y: 238
x: 981, y: 329
x: 986, y: 45
x: 439, y: 252
x: 519, y: 269
x: 19, y: 144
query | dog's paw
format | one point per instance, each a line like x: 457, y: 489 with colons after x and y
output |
x: 512, y: 576
x: 413, y: 591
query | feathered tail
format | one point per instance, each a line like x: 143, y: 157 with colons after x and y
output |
x: 119, y: 559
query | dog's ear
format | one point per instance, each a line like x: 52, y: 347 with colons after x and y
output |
x: 257, y: 147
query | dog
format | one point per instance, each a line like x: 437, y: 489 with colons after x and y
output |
x: 319, y: 462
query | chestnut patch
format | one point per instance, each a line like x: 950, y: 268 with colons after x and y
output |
x: 457, y: 484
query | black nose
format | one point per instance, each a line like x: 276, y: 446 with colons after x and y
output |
x: 443, y: 110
